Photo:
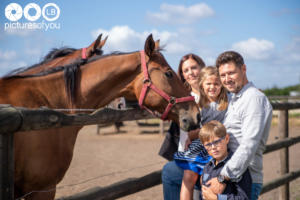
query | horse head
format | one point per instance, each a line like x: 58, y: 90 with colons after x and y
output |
x: 159, y: 88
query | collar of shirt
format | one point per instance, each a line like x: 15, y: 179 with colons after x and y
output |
x: 222, y: 162
x: 240, y: 93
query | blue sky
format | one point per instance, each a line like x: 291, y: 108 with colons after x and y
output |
x: 266, y: 33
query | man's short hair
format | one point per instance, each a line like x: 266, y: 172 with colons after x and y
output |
x: 230, y: 56
x: 212, y: 129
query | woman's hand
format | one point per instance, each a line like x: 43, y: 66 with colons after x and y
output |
x: 194, y: 134
x: 187, y: 143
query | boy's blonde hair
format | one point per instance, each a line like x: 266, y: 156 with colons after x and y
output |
x: 222, y: 98
x: 212, y: 129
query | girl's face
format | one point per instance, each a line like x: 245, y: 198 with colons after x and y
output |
x: 212, y: 87
x: 191, y: 71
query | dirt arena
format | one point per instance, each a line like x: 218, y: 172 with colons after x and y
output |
x: 101, y: 160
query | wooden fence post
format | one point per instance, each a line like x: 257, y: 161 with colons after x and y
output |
x: 10, y: 121
x: 283, y: 129
x: 7, y: 166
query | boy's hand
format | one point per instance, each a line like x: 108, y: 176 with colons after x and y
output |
x: 216, y: 186
x: 208, y: 194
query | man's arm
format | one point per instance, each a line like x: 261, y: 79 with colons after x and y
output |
x: 256, y: 115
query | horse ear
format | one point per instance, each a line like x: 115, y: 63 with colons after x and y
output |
x: 94, y: 45
x: 149, y: 45
x: 102, y: 43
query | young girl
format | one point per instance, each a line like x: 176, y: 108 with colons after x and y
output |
x: 213, y: 103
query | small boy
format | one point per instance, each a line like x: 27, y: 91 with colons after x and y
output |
x: 215, y: 139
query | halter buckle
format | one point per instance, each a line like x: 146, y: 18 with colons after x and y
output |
x: 147, y: 81
x: 172, y: 100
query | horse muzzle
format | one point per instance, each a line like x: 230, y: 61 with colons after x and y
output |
x: 188, y: 123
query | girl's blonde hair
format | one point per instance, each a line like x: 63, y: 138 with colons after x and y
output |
x: 222, y: 98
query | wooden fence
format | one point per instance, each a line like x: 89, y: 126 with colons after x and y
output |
x: 20, y: 119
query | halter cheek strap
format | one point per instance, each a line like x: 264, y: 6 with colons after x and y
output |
x: 83, y: 53
x: 147, y: 84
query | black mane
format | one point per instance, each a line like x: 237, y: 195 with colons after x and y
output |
x: 54, y: 53
x: 70, y: 72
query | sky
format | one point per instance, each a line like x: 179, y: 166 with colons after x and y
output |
x: 265, y: 33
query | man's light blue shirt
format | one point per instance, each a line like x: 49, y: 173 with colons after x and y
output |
x: 248, y: 120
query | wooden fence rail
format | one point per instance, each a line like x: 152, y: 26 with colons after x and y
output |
x: 121, y: 189
x: 21, y: 119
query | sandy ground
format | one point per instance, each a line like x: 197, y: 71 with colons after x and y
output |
x: 101, y: 160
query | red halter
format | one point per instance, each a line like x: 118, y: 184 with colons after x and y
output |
x: 83, y: 53
x: 148, y: 84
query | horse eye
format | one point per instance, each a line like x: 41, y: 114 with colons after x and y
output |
x: 169, y: 74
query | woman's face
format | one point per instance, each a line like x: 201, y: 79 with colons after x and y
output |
x: 191, y: 71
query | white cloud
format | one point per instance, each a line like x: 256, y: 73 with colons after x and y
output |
x: 176, y: 47
x: 19, y: 32
x: 254, y: 49
x: 123, y: 38
x: 293, y: 50
x: 7, y: 55
x: 179, y: 14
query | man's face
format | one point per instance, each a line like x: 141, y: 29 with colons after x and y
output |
x: 232, y: 77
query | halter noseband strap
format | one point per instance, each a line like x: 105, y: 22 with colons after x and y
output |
x: 148, y: 84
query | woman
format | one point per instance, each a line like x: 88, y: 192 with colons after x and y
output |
x: 189, y: 69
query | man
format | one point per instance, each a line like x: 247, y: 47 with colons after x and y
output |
x: 247, y: 121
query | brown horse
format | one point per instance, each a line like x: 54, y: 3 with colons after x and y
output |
x: 58, y: 57
x: 43, y: 157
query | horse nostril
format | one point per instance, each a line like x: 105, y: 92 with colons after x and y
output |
x: 198, y: 118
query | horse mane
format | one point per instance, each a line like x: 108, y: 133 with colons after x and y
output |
x: 58, y: 52
x: 70, y: 71
x: 78, y: 62
x: 53, y: 53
